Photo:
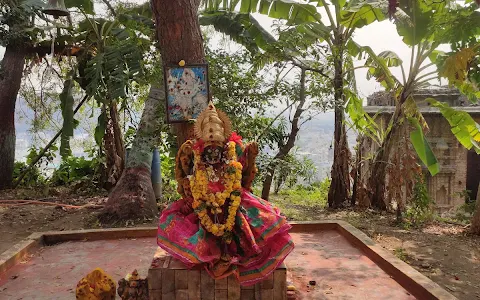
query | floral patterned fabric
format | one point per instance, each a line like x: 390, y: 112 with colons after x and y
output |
x: 260, y: 240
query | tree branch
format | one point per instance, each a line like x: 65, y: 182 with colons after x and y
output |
x: 110, y: 8
x: 307, y: 68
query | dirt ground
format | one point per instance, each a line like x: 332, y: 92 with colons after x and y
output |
x: 446, y: 253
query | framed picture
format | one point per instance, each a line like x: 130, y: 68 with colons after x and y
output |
x: 187, y: 91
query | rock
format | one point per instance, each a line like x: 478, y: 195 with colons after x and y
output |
x: 451, y: 288
x: 425, y: 265
x: 312, y: 282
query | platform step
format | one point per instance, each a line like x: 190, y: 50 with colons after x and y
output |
x: 169, y: 279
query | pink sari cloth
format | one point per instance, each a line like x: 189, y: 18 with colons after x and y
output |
x: 260, y: 240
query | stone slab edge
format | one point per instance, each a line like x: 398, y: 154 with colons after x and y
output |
x: 413, y: 281
x: 20, y: 251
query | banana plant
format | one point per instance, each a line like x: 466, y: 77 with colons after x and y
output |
x: 112, y: 60
x: 431, y: 25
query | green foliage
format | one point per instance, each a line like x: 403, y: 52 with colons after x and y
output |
x: 100, y: 128
x: 463, y: 126
x: 419, y: 209
x: 400, y: 253
x: 32, y: 178
x: 466, y: 211
x: 361, y: 13
x: 291, y: 169
x: 117, y: 59
x: 34, y: 175
x: 112, y: 64
x: 241, y: 27
x: 85, y: 5
x: 243, y: 93
x: 302, y: 202
x: 15, y: 28
x: 19, y: 20
x: 360, y: 120
x: 426, y: 30
x: 314, y: 194
x: 422, y: 147
x: 291, y: 11
x: 74, y: 169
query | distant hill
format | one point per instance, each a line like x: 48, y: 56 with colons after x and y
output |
x: 316, y: 142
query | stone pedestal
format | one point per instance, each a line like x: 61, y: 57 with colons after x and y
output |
x: 169, y: 279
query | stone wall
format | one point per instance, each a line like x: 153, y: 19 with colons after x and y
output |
x: 446, y: 187
x: 440, y: 93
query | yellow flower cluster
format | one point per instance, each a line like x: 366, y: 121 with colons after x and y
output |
x: 205, y: 199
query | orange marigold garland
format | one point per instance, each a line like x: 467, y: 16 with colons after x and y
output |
x: 212, y: 196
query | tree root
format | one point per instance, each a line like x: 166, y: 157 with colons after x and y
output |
x: 132, y: 198
x: 13, y: 203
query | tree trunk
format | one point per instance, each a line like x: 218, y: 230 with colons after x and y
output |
x: 114, y: 148
x: 283, y: 151
x: 180, y: 38
x: 378, y: 174
x: 11, y: 70
x: 475, y: 229
x: 357, y: 172
x: 340, y: 184
x: 133, y: 196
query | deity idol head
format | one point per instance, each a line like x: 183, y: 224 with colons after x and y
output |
x: 213, y: 127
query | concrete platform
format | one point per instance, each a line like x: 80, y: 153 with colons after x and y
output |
x: 343, y: 262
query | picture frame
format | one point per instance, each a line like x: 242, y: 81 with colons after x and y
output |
x: 187, y: 91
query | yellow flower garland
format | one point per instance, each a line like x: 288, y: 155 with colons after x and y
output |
x: 204, y: 199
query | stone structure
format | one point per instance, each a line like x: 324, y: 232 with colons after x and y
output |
x: 459, y: 167
x: 169, y: 279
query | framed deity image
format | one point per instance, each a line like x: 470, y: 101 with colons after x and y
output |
x: 187, y: 91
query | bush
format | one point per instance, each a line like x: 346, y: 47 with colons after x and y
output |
x: 74, y: 169
x: 32, y: 178
x: 419, y: 209
x: 315, y: 194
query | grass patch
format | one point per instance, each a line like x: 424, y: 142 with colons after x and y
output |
x: 400, y: 253
x: 302, y: 203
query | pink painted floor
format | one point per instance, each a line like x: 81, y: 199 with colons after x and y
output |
x: 340, y: 270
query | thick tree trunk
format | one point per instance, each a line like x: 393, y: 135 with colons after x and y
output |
x: 133, y: 196
x: 475, y: 229
x: 283, y: 151
x: 180, y: 38
x: 340, y: 184
x: 11, y: 70
x: 378, y: 175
